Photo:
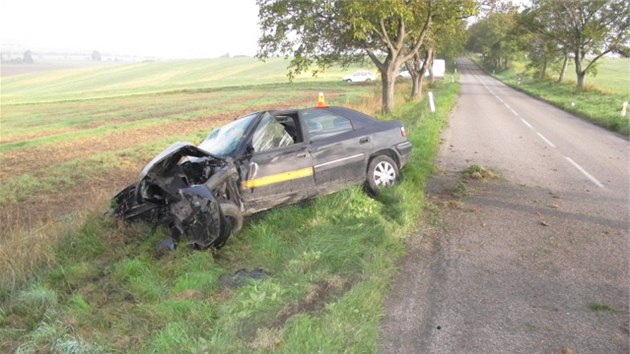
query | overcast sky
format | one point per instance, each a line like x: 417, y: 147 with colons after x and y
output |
x: 164, y: 29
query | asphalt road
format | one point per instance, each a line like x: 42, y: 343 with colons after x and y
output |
x: 535, y: 261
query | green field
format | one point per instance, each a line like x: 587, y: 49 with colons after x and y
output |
x: 76, y: 280
x: 151, y: 77
x: 613, y: 75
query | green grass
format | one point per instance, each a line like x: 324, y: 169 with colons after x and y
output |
x: 331, y: 260
x: 600, y: 103
x: 603, y: 308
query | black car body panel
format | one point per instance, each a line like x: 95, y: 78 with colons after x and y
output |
x: 254, y: 163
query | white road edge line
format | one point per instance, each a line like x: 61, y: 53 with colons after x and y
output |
x: 593, y: 179
x: 511, y: 110
x: 527, y: 124
x: 545, y: 139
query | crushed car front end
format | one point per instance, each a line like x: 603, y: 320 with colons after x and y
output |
x: 188, y: 190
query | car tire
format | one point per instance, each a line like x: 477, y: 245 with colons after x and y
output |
x: 368, y: 80
x: 382, y: 172
x: 233, y: 216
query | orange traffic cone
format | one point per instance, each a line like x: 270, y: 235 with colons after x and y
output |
x: 321, y: 102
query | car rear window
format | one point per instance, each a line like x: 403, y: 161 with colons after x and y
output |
x: 322, y: 123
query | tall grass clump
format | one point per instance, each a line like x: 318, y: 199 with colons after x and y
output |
x: 326, y: 265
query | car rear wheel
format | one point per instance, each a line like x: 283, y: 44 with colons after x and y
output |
x: 233, y: 216
x: 382, y: 172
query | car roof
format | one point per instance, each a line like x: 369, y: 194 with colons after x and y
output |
x: 350, y: 113
x: 355, y: 116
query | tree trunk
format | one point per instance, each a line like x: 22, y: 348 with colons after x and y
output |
x: 579, y: 72
x: 543, y: 71
x: 416, y: 89
x: 412, y: 66
x: 388, y: 81
x: 580, y: 81
x: 428, y: 63
x: 563, y: 70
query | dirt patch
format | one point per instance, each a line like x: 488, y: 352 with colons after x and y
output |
x: 319, y: 295
x: 46, y: 206
x: 33, y: 159
x: 314, y: 302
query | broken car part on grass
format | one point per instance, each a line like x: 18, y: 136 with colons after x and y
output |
x: 259, y: 161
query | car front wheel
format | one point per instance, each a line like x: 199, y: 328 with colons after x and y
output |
x: 233, y: 216
x: 382, y: 172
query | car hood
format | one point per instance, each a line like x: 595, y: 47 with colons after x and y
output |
x: 172, y: 155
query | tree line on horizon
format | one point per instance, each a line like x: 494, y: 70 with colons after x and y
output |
x: 553, y: 32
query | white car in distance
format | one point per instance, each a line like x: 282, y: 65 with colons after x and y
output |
x: 439, y: 69
x: 405, y: 74
x: 360, y: 76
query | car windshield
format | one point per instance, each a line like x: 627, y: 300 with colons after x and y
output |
x: 222, y: 141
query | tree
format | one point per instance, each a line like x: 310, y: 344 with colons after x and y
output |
x: 417, y: 67
x: 28, y: 57
x: 540, y: 50
x: 446, y: 37
x: 495, y: 38
x: 322, y: 33
x: 586, y: 29
x: 312, y: 33
x: 397, y: 30
x: 451, y: 41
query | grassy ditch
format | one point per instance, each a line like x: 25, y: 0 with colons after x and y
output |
x: 329, y: 261
x: 601, y: 102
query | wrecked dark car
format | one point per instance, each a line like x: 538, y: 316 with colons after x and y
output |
x: 258, y: 161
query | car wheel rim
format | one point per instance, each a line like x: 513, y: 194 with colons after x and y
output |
x: 384, y: 174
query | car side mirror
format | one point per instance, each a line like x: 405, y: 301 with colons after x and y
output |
x: 250, y: 149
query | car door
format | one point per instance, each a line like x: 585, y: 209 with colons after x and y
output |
x: 339, y: 152
x: 280, y: 169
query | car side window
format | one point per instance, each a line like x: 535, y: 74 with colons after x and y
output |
x: 271, y: 134
x: 321, y: 123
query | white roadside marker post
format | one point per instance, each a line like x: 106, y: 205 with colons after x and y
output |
x: 431, y: 103
x: 624, y: 109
